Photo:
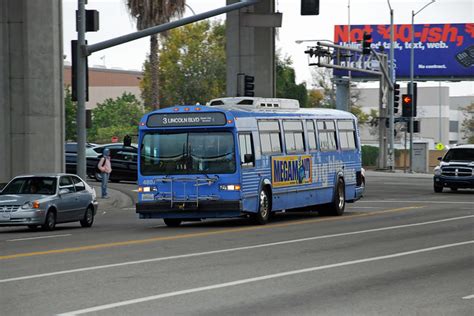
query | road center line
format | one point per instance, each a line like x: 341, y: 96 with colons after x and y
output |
x: 257, y: 279
x: 40, y: 237
x: 197, y: 254
x: 203, y: 234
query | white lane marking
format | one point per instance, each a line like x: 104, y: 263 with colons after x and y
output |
x: 361, y: 207
x: 413, y: 201
x: 260, y: 278
x: 468, y: 297
x: 405, y: 183
x: 40, y: 237
x: 136, y: 190
x: 212, y: 252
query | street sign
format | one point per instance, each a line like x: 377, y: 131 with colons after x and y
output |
x: 439, y: 146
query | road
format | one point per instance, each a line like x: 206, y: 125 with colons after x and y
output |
x: 401, y: 250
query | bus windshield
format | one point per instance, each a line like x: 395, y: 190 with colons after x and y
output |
x: 187, y: 153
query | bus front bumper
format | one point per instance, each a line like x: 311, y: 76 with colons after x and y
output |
x: 189, y: 210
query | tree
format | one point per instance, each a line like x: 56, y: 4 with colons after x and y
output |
x: 115, y: 117
x: 286, y: 86
x: 71, y: 110
x: 467, y: 127
x: 149, y: 13
x: 322, y: 79
x: 192, y: 65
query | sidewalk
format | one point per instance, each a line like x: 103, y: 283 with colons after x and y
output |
x: 116, y: 200
x: 397, y: 174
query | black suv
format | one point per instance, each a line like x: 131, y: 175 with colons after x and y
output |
x: 123, y: 159
x: 456, y: 169
x: 70, y: 152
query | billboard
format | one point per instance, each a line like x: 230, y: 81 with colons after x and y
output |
x: 441, y: 51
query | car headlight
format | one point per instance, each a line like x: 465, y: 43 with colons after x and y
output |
x: 437, y: 171
x: 33, y: 204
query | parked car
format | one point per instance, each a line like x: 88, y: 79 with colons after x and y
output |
x: 70, y: 152
x: 47, y: 199
x: 123, y: 159
x: 456, y: 169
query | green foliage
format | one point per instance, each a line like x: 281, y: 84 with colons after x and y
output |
x: 315, y: 98
x: 71, y: 110
x: 286, y: 86
x: 115, y: 117
x: 369, y: 155
x: 192, y: 65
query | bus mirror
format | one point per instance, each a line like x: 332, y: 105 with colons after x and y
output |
x: 248, y: 158
x: 440, y: 158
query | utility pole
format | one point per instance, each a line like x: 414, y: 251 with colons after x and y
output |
x: 391, y: 98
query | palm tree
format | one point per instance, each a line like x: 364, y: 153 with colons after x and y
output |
x: 148, y: 13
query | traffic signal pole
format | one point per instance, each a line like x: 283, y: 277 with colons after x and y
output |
x: 81, y: 90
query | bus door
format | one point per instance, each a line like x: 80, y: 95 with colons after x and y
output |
x: 250, y: 178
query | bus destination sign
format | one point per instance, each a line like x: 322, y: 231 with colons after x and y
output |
x: 186, y: 119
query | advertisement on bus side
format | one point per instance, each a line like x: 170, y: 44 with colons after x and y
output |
x: 291, y: 170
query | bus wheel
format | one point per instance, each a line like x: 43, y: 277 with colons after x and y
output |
x: 172, y: 222
x: 264, y: 208
x: 337, y: 206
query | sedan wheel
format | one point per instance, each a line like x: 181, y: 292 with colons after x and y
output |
x: 98, y: 176
x: 88, y: 219
x: 50, y: 221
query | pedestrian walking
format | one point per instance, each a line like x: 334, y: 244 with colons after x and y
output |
x: 105, y: 168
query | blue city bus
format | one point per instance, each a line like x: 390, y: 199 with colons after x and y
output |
x: 247, y: 157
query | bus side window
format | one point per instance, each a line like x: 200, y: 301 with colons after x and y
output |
x: 246, y: 150
x: 347, y: 137
x: 270, y: 141
x: 327, y: 135
x: 311, y: 135
x: 294, y: 136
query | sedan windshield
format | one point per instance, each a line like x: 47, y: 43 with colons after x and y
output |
x: 31, y: 185
x: 187, y: 153
x: 460, y: 154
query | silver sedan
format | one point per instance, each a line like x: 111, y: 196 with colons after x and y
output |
x: 47, y: 199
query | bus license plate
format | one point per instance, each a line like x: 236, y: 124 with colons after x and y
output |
x: 148, y: 197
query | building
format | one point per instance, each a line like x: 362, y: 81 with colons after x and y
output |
x: 440, y: 116
x: 107, y: 83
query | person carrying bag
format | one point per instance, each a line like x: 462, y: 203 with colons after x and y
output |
x: 105, y: 168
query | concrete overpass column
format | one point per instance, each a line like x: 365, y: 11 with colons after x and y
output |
x: 251, y: 46
x: 31, y: 87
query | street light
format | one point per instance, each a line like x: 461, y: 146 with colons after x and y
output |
x: 412, y: 71
x: 313, y: 40
x: 391, y: 97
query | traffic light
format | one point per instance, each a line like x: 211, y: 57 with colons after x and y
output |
x: 249, y: 86
x: 396, y: 97
x: 407, y: 105
x: 366, y: 40
x: 416, y: 127
x: 414, y: 93
x: 309, y: 7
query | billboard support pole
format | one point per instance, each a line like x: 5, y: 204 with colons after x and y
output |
x: 412, y: 75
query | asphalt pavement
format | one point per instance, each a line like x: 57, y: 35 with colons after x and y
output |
x: 401, y: 250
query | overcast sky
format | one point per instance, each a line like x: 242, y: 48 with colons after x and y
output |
x: 115, y: 21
